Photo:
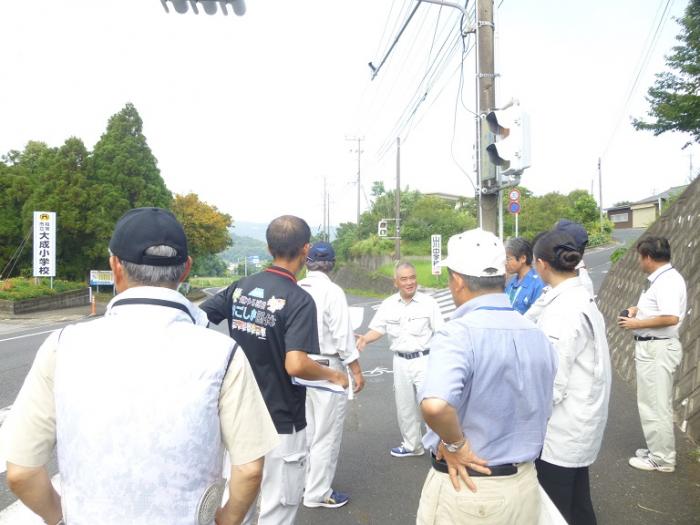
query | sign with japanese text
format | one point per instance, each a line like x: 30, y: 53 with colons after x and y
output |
x: 101, y: 278
x: 436, y: 253
x: 44, y: 244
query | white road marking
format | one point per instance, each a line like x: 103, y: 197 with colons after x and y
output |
x: 18, y: 514
x: 29, y: 335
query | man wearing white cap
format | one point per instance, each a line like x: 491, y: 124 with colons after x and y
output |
x: 487, y: 394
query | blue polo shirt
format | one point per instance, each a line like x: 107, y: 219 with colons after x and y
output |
x: 523, y: 292
x: 496, y: 368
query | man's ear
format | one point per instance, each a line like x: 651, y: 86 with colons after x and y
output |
x: 188, y: 267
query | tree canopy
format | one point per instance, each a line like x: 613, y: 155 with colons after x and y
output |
x: 89, y: 191
x: 674, y: 98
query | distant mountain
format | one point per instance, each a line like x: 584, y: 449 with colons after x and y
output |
x: 245, y: 246
x: 256, y: 230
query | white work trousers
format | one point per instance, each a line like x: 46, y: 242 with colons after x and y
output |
x: 325, y: 415
x: 656, y: 361
x: 408, y: 381
x: 282, y: 483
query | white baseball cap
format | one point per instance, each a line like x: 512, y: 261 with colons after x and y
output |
x: 476, y: 253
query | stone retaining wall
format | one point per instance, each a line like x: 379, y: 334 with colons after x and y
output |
x: 623, y: 285
x: 353, y: 276
x: 50, y: 302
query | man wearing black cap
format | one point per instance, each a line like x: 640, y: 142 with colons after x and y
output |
x: 141, y: 403
x: 325, y: 411
x: 274, y: 321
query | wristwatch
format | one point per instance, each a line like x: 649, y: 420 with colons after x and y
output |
x: 453, y: 447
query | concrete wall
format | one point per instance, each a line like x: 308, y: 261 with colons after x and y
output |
x: 353, y: 276
x: 49, y: 302
x: 625, y: 282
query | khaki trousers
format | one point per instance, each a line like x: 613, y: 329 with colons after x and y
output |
x: 504, y: 500
x: 656, y: 361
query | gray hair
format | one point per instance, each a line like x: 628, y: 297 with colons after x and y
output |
x: 147, y: 275
x: 477, y: 284
x: 401, y: 265
x: 320, y: 266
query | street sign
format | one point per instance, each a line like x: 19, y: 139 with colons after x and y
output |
x: 44, y: 244
x: 514, y: 207
x: 436, y: 253
x: 101, y: 278
x: 514, y: 195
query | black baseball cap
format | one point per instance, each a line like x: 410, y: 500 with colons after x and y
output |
x: 577, y: 232
x: 321, y: 251
x: 142, y: 228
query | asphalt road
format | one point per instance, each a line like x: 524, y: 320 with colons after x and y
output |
x: 385, y: 490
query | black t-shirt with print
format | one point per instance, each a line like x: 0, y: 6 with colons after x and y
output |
x: 269, y: 315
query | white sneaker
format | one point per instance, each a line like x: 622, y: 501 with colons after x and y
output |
x: 650, y: 464
x: 641, y: 452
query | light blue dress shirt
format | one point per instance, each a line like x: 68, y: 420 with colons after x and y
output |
x: 496, y: 368
x: 523, y: 292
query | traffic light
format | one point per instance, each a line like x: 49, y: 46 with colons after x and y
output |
x: 208, y: 6
x: 510, y: 149
x: 383, y: 228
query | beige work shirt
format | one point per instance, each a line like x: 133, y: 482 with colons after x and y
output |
x: 409, y: 325
x: 28, y: 436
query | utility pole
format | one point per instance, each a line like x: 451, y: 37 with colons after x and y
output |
x: 328, y: 217
x: 324, y: 229
x: 397, y: 248
x: 486, y: 101
x: 600, y: 192
x: 359, y: 152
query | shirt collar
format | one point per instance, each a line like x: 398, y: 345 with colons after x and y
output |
x: 416, y: 298
x: 658, y: 272
x: 151, y: 292
x: 491, y: 299
x: 283, y: 272
x: 316, y: 274
x: 556, y: 291
x: 526, y: 281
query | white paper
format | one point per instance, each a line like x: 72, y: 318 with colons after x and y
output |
x: 321, y: 384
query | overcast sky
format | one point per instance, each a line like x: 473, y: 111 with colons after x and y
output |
x: 252, y: 112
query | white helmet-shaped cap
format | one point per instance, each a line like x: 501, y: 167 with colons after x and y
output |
x: 476, y: 253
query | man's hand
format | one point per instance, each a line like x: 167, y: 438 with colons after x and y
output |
x: 633, y: 310
x: 458, y: 462
x: 361, y: 343
x: 340, y: 378
x: 628, y: 323
x: 359, y: 381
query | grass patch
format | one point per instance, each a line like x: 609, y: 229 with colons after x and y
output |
x: 212, y: 282
x: 19, y: 288
x: 364, y: 293
x: 423, y: 273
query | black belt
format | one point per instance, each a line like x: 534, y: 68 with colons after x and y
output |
x: 412, y: 355
x: 649, y: 338
x: 496, y: 470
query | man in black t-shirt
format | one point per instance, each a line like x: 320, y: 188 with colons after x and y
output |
x: 274, y: 321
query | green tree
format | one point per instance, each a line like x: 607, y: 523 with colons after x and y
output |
x: 209, y: 266
x: 206, y: 227
x: 674, y: 97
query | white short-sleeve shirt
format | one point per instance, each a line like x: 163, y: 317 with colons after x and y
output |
x: 666, y: 295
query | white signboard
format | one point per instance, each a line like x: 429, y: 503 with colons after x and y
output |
x: 101, y: 278
x: 436, y: 253
x: 44, y: 244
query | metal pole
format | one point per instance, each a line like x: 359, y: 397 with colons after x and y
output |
x: 517, y: 215
x: 324, y: 229
x: 397, y: 248
x: 600, y: 190
x: 359, y: 154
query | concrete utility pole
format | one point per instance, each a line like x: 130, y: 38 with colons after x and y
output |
x: 325, y: 211
x: 397, y: 248
x: 359, y: 152
x: 486, y: 101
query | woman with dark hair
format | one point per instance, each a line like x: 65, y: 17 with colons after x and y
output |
x: 575, y: 327
x: 526, y: 286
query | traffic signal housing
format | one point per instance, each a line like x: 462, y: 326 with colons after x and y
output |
x: 383, y: 228
x: 510, y: 148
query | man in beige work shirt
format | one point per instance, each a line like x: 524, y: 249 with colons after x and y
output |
x: 409, y: 318
x: 139, y: 404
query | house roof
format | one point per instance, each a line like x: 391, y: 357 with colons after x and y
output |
x: 664, y: 195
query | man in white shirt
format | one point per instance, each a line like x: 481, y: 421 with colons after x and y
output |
x: 410, y: 318
x: 325, y: 411
x: 655, y: 322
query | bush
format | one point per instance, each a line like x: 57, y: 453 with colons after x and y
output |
x: 372, y: 246
x: 18, y: 288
